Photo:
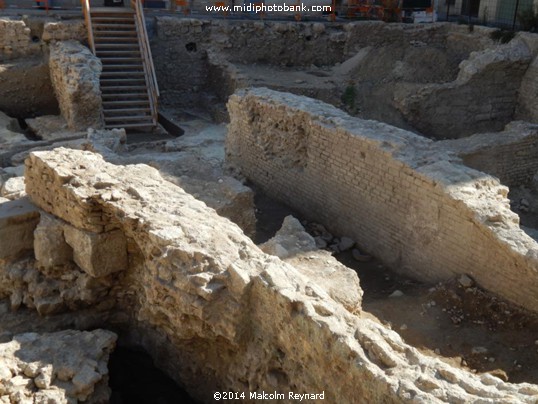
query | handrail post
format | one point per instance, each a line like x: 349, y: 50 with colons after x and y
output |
x: 88, y: 21
x: 149, y: 68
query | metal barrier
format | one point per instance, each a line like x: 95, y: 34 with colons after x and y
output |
x: 509, y: 14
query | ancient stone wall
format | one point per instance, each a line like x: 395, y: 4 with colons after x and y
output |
x: 16, y: 39
x: 26, y: 88
x: 404, y: 200
x: 528, y: 106
x: 483, y: 97
x: 180, y: 47
x: 25, y: 82
x: 29, y: 36
x: 510, y: 155
x: 218, y: 314
x: 415, y: 68
x: 75, y: 73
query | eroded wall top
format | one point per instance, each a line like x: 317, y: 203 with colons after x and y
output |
x: 406, y: 200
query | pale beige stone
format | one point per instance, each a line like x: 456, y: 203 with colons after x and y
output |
x: 38, y: 359
x: 13, y: 188
x: 295, y: 246
x: 18, y: 220
x: 97, y: 254
x: 50, y: 247
x: 75, y: 77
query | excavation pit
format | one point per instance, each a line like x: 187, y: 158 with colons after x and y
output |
x: 131, y: 234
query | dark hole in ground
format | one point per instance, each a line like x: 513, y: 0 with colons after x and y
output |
x: 134, y: 379
x: 269, y: 215
x: 29, y: 133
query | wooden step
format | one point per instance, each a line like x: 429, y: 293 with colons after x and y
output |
x: 131, y: 125
x: 113, y: 27
x: 109, y: 84
x: 126, y: 111
x: 123, y: 88
x: 130, y: 67
x: 124, y: 46
x: 107, y: 104
x: 118, y: 53
x: 106, y: 34
x: 143, y: 118
x: 122, y: 81
x: 112, y: 10
x: 113, y: 19
x: 122, y: 74
x: 125, y: 96
x: 113, y: 59
x: 113, y: 22
x: 121, y: 39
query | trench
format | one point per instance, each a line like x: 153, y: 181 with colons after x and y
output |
x: 459, y: 323
x: 466, y: 327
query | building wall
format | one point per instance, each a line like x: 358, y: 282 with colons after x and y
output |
x: 407, y: 202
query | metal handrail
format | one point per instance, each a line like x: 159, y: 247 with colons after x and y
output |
x: 149, y: 68
x: 88, y: 21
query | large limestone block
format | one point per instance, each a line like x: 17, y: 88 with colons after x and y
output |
x: 13, y: 188
x: 290, y: 240
x: 97, y: 254
x: 50, y: 247
x: 18, y: 220
x: 296, y: 247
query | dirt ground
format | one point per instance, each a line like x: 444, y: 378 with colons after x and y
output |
x: 466, y: 327
x: 463, y: 325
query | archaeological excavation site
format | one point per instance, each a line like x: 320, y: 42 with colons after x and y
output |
x: 198, y: 209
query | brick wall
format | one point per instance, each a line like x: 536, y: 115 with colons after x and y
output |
x: 403, y: 199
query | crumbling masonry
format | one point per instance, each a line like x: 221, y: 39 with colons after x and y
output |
x: 404, y: 198
x: 217, y: 313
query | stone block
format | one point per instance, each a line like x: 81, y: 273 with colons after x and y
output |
x: 50, y: 247
x: 97, y: 254
x: 13, y: 188
x: 18, y: 219
x: 75, y: 77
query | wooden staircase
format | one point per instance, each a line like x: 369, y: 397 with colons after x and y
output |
x: 128, y: 85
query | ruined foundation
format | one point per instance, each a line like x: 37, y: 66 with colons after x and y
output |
x: 219, y: 313
x: 152, y: 240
